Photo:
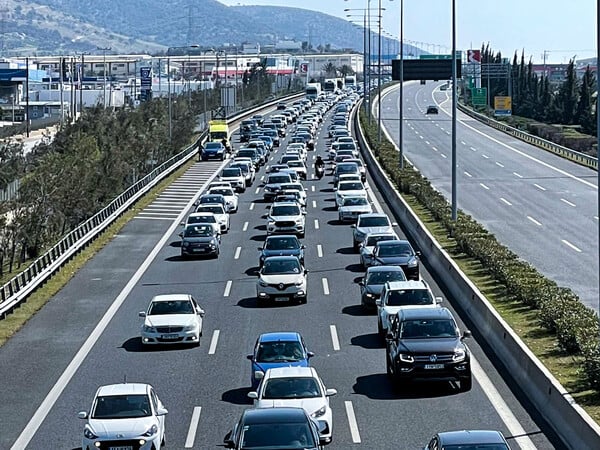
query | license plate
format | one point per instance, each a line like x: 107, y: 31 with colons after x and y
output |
x: 170, y: 336
x: 199, y: 250
x: 281, y: 299
x: 127, y: 447
x: 434, y: 366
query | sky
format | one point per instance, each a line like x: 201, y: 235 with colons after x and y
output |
x: 559, y: 29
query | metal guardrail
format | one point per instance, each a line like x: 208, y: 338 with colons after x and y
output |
x: 565, y: 152
x: 18, y: 288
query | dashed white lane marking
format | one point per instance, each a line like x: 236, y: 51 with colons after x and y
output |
x: 314, y: 203
x: 541, y: 188
x: 473, y: 149
x: 237, y: 253
x: 434, y: 149
x: 245, y: 227
x: 352, y: 422
x: 257, y: 190
x: 316, y: 224
x: 334, y: 338
x: 564, y: 200
x: 319, y: 251
x: 325, y: 286
x: 507, y: 416
x: 421, y: 136
x: 502, y: 199
x: 485, y: 156
x: 312, y: 188
x: 427, y: 142
x: 463, y: 142
x: 443, y: 156
x: 499, y: 164
x: 468, y: 174
x: 484, y: 186
x: 251, y: 206
x: 213, y: 342
x: 227, y: 288
x: 517, y: 175
x: 539, y: 224
x: 568, y: 244
x: 191, y: 436
x: 262, y: 178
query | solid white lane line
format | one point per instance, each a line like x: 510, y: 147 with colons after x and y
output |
x: 319, y: 251
x: 468, y: 174
x: 352, y: 422
x: 245, y: 227
x: 325, y: 286
x: 484, y: 186
x: 499, y: 164
x: 334, y: 337
x: 314, y: 203
x: 237, y: 253
x: 517, y: 175
x: 539, y: 224
x: 191, y: 436
x: 227, y: 288
x: 316, y: 224
x: 213, y: 342
x: 541, y: 188
x: 497, y: 401
x: 251, y: 206
x: 568, y: 244
x: 564, y: 200
x: 502, y: 199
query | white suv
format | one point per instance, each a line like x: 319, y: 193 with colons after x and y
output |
x: 286, y: 218
x: 397, y: 295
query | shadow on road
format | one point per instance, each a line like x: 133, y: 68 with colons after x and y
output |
x: 237, y: 396
x: 368, y: 341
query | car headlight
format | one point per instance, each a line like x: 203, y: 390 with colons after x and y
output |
x: 190, y: 327
x: 88, y: 433
x: 459, y: 355
x: 149, y: 329
x: 262, y: 283
x: 299, y: 221
x: 359, y: 234
x: 185, y: 244
x: 151, y: 431
x: 319, y: 412
x: 406, y: 358
x: 212, y: 245
x: 370, y: 295
x: 299, y: 283
x: 413, y: 263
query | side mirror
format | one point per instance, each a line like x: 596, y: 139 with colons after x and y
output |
x: 180, y: 235
x: 253, y: 395
x: 82, y: 415
x: 310, y: 354
x: 227, y: 441
x: 305, y: 271
x: 439, y: 300
x: 389, y: 336
x: 259, y: 249
x: 467, y: 334
x: 394, y: 224
x: 302, y: 246
x: 361, y: 283
x: 259, y: 374
x: 250, y: 357
x: 161, y: 411
x: 378, y: 302
x: 353, y: 225
x: 182, y: 223
x: 330, y: 392
x: 142, y: 314
x: 418, y: 253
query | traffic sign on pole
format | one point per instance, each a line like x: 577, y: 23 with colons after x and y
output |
x: 479, y: 96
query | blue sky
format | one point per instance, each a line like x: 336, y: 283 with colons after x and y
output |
x: 564, y: 29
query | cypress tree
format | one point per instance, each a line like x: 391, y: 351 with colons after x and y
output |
x: 584, y: 115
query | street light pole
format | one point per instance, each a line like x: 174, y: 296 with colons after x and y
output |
x: 454, y: 162
x: 379, y: 80
x: 169, y: 96
x: 401, y: 97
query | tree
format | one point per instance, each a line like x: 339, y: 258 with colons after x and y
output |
x: 584, y: 114
x: 345, y: 70
x: 568, y: 96
x: 330, y: 70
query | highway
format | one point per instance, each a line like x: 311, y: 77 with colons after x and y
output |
x: 543, y: 207
x: 88, y: 335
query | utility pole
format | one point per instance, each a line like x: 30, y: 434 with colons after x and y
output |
x: 104, y: 50
x: 61, y: 73
x: 28, y: 126
x: 379, y: 80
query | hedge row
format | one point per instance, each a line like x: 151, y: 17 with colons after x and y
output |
x: 559, y: 310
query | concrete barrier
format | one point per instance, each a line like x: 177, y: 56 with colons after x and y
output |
x: 571, y: 423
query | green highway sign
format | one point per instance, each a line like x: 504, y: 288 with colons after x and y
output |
x: 479, y: 96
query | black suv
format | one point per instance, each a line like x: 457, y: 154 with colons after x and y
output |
x: 426, y: 344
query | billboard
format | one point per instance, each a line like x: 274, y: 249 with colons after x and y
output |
x: 426, y: 69
x: 145, y: 83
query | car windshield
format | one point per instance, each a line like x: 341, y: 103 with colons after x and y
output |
x: 231, y: 172
x: 381, y: 277
x: 215, y: 209
x: 222, y: 191
x: 205, y: 231
x: 292, y: 186
x: 244, y: 168
x: 395, y: 250
x: 287, y: 210
x: 365, y: 222
x: 121, y: 407
x: 161, y: 308
x: 293, y: 387
x: 350, y: 168
x: 424, y: 329
x: 285, y: 266
x: 211, y: 199
x: 355, y: 201
x: 211, y: 145
x: 282, y: 243
x: 202, y: 219
x: 409, y: 297
x: 372, y: 240
x: 351, y: 186
x: 279, y: 179
x: 279, y: 351
x: 277, y: 436
x: 295, y: 163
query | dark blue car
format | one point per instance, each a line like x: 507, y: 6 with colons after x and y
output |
x: 397, y: 253
x: 213, y: 150
x: 279, y: 349
x: 281, y: 245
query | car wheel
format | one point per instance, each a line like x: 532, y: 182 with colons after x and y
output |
x: 388, y: 366
x: 355, y: 246
x: 163, y: 443
x: 466, y: 383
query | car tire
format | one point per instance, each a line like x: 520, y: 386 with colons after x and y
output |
x: 355, y: 246
x: 466, y: 384
x: 388, y: 366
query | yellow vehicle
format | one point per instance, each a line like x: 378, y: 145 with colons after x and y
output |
x: 219, y: 130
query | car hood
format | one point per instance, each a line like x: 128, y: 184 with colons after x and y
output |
x: 366, y: 230
x: 374, y: 288
x: 356, y: 208
x: 284, y: 252
x: 264, y: 366
x: 201, y: 240
x: 310, y: 405
x: 128, y: 428
x: 282, y: 278
x: 437, y: 345
x: 170, y: 320
x: 285, y: 218
x: 393, y: 260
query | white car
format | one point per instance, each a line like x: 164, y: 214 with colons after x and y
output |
x: 299, y: 387
x: 203, y: 217
x: 397, y: 295
x: 349, y: 189
x: 298, y: 187
x: 172, y: 319
x: 219, y: 213
x: 281, y: 278
x: 230, y: 197
x: 352, y: 207
x: 124, y: 416
x: 235, y: 177
x: 299, y: 167
x: 286, y: 218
